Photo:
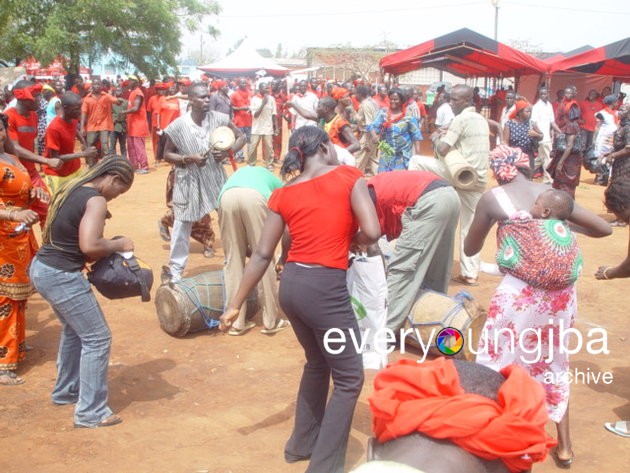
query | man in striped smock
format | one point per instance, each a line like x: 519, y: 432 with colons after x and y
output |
x: 199, y: 174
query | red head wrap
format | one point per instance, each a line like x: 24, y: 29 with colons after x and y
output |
x: 427, y: 397
x: 505, y: 161
x: 27, y: 92
x: 218, y: 84
x: 519, y: 105
x: 339, y: 92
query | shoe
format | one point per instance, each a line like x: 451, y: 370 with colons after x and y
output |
x: 9, y: 378
x: 465, y: 280
x: 142, y: 171
x: 107, y: 422
x: 621, y: 427
x: 164, y: 233
x: 280, y: 325
x: 235, y: 332
x: 208, y: 253
x: 564, y: 463
x: 165, y: 275
x: 618, y: 223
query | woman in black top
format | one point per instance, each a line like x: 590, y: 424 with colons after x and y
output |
x: 72, y: 236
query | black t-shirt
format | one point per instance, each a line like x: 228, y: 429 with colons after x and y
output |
x: 63, y: 251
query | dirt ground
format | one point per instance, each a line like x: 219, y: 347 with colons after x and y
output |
x: 214, y: 403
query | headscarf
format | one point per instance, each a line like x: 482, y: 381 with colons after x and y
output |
x: 218, y: 84
x: 610, y: 99
x: 505, y: 161
x: 48, y: 88
x: 26, y: 93
x: 519, y: 105
x: 339, y: 92
x: 427, y: 398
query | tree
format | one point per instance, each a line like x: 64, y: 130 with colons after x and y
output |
x: 279, y: 50
x: 143, y: 33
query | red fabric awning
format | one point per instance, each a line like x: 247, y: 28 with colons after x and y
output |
x: 610, y: 60
x: 464, y: 53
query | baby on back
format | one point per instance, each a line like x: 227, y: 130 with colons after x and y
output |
x: 538, y: 246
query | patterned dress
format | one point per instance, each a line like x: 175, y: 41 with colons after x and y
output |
x: 621, y: 139
x: 16, y: 251
x: 519, y: 138
x: 523, y: 327
x: 399, y: 133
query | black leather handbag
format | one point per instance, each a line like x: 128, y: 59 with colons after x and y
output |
x: 117, y: 277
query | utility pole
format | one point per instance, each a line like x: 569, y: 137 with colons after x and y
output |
x: 495, y: 4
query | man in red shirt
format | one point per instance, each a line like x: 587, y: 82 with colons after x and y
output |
x: 153, y: 110
x: 589, y: 108
x: 60, y: 136
x: 96, y: 118
x: 22, y: 131
x: 279, y: 94
x: 242, y: 117
x: 137, y: 127
x: 166, y: 110
x: 421, y: 211
x: 381, y: 98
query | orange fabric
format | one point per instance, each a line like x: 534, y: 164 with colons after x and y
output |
x: 319, y: 235
x: 60, y: 136
x: 27, y: 92
x: 98, y: 109
x: 339, y: 92
x: 382, y: 102
x: 153, y: 107
x: 168, y: 109
x: 518, y: 106
x: 23, y: 130
x: 334, y: 129
x: 242, y: 118
x: 137, y: 125
x: 427, y: 398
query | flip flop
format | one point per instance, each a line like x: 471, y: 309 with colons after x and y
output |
x: 280, y: 325
x: 465, y: 280
x: 9, y: 378
x: 107, y: 422
x: 621, y: 428
x: 164, y: 233
x: 235, y: 332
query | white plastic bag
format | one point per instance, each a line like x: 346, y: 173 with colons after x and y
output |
x: 367, y: 285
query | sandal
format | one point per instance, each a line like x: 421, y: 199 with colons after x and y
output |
x: 208, y: 253
x: 9, y: 378
x: 465, y: 280
x: 621, y: 427
x: 107, y: 422
x: 164, y: 233
x: 564, y: 463
x: 242, y: 331
x: 280, y: 325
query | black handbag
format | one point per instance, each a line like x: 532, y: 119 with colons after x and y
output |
x: 117, y: 277
x: 560, y: 143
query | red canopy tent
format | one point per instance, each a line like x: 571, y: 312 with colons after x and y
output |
x: 610, y: 60
x: 464, y: 53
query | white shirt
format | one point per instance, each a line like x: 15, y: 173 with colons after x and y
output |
x: 444, y: 115
x: 543, y: 116
x: 263, y: 124
x: 505, y: 115
x: 309, y: 102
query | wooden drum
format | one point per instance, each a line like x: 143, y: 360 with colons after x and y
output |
x: 434, y: 311
x: 195, y: 304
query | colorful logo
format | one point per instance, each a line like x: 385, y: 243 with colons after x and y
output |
x: 449, y: 341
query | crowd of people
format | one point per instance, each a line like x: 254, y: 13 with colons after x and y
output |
x: 353, y: 171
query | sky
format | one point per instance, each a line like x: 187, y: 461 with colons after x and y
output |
x: 300, y: 24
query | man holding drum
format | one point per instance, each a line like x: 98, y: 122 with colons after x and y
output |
x: 198, y: 180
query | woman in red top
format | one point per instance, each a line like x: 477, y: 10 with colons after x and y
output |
x: 321, y: 207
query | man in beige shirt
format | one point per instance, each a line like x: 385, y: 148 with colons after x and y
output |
x: 368, y: 109
x: 468, y: 134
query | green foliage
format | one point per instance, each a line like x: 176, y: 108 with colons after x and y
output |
x: 386, y: 149
x: 144, y: 33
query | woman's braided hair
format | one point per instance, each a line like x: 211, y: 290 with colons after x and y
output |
x: 109, y: 165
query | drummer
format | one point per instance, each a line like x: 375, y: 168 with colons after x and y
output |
x: 199, y: 175
x: 420, y: 210
x: 242, y: 213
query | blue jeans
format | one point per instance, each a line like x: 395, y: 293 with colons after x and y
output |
x: 247, y: 130
x: 84, y: 346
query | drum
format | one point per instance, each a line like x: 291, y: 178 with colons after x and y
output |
x: 195, y: 304
x: 433, y: 312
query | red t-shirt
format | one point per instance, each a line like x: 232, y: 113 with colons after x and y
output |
x: 422, y: 108
x: 137, y: 125
x: 153, y: 107
x: 98, y: 110
x: 334, y: 129
x: 168, y: 109
x: 589, y: 109
x: 242, y: 118
x: 60, y: 137
x: 24, y: 131
x: 319, y: 216
x: 382, y: 102
x: 396, y: 191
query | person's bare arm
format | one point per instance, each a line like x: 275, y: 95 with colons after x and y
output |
x: 348, y: 136
x: 622, y: 270
x: 363, y: 208
x: 91, y: 240
x: 506, y: 135
x: 90, y: 152
x: 14, y: 148
x: 480, y: 226
x: 308, y: 114
x: 586, y: 222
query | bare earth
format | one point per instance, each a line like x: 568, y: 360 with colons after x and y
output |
x: 219, y: 404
